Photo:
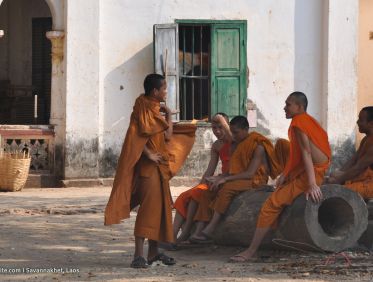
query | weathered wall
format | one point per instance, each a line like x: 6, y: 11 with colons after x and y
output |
x: 82, y: 46
x: 279, y: 62
x: 288, y: 49
x: 365, y: 58
x: 16, y: 46
x: 342, y: 78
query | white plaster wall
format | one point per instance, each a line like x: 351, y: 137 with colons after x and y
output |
x: 82, y: 87
x: 16, y: 60
x: 284, y: 49
x: 342, y: 70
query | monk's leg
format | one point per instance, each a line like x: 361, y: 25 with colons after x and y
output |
x: 152, y: 249
x: 364, y: 188
x: 210, y: 228
x: 178, y: 222
x: 269, y: 213
x: 250, y: 252
x: 187, y: 228
x: 221, y: 203
x: 139, y: 246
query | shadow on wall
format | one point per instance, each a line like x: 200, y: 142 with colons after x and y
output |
x: 342, y: 152
x: 308, y: 38
x: 121, y: 88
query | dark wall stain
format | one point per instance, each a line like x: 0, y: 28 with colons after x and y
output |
x: 81, y: 158
x: 108, y: 163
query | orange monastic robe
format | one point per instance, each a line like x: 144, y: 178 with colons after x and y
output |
x: 282, y: 151
x: 138, y: 180
x: 239, y: 163
x: 182, y: 202
x: 296, y: 181
x: 363, y: 183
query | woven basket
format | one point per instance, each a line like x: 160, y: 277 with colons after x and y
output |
x: 14, y: 169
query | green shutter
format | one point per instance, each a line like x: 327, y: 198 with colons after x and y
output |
x: 228, y: 68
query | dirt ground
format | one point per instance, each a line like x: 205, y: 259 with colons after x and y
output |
x: 58, y: 235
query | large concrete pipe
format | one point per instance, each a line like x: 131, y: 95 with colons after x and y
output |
x: 334, y: 224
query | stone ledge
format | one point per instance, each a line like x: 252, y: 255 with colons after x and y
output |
x: 87, y: 182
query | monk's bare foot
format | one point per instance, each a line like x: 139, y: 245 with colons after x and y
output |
x: 201, y: 238
x: 242, y: 257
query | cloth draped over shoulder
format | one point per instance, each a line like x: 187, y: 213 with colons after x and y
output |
x: 318, y: 136
x: 244, y: 152
x: 296, y: 181
x: 363, y: 183
x: 145, y: 122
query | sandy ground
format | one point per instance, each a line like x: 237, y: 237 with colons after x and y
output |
x: 58, y: 235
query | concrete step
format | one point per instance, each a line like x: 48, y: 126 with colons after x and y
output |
x: 41, y: 180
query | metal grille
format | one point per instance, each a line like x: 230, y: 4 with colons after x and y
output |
x: 194, y: 71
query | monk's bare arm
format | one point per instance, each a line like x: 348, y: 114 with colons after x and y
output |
x: 168, y: 117
x: 359, y: 167
x: 213, y: 163
x: 313, y: 190
x: 256, y: 161
x: 350, y: 163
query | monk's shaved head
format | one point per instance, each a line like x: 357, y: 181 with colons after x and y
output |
x: 240, y: 122
x: 224, y: 116
x: 369, y: 111
x: 300, y: 98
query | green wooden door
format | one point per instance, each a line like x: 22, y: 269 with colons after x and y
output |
x: 228, y: 68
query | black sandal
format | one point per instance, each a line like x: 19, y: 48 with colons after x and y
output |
x: 139, y: 262
x: 163, y: 259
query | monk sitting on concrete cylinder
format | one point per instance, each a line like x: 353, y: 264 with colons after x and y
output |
x: 250, y: 166
x: 304, y: 172
x: 357, y: 173
x: 186, y: 204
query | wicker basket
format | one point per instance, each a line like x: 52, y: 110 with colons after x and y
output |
x: 14, y: 169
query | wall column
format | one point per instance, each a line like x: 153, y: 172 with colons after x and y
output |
x: 58, y: 99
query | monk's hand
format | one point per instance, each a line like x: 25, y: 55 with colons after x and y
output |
x: 279, y: 181
x: 165, y: 109
x: 155, y: 157
x: 215, y: 185
x: 314, y: 192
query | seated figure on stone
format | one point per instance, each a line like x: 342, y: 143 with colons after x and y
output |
x: 186, y: 204
x: 357, y: 173
x: 251, y: 164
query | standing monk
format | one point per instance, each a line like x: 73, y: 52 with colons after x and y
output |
x: 143, y: 174
x: 251, y: 163
x: 308, y: 161
x: 187, y: 203
x: 357, y: 173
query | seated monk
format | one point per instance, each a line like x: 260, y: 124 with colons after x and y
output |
x: 304, y: 172
x: 186, y: 204
x: 357, y: 173
x: 251, y: 163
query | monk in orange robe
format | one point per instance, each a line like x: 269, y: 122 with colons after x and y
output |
x: 357, y: 173
x: 304, y: 172
x: 143, y: 174
x: 250, y: 166
x: 187, y: 202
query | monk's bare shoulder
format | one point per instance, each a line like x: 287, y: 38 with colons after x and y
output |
x: 217, y: 145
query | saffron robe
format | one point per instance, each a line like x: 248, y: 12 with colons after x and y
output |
x: 363, y: 183
x: 182, y: 202
x: 296, y: 181
x: 138, y: 180
x: 239, y: 162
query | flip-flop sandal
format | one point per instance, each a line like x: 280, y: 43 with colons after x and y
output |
x: 162, y: 259
x: 139, y: 262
